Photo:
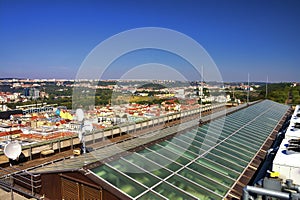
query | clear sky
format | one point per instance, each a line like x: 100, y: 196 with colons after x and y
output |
x: 51, y: 38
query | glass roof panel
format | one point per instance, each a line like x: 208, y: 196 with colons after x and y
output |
x: 222, y: 178
x: 150, y: 196
x: 171, y: 192
x: 118, y: 180
x: 195, y: 190
x: 204, y: 181
x: 162, y: 160
x: 134, y: 172
x: 224, y: 161
x: 228, y: 171
x: 203, y: 162
x: 148, y: 165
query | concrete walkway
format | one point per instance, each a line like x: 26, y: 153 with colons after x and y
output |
x: 7, y: 195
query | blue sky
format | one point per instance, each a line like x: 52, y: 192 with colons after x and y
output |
x: 51, y: 38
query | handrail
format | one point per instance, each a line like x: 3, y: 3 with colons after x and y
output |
x: 2, y: 184
x: 32, y: 185
x: 48, y: 163
x: 192, y: 112
x: 17, y: 174
x: 19, y: 170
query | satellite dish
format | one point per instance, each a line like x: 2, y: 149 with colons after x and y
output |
x: 79, y: 114
x: 13, y: 150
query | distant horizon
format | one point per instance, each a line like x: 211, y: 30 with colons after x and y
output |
x: 59, y: 79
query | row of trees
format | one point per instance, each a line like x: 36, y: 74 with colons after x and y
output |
x: 62, y: 95
x: 280, y: 92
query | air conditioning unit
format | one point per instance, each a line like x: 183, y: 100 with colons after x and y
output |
x: 293, y: 130
x: 287, y: 160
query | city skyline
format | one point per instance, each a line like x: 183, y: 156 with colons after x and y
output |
x: 51, y: 39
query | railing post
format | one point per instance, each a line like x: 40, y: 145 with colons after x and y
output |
x: 30, y: 152
x: 11, y: 194
x: 71, y: 143
x: 134, y: 127
x: 11, y: 190
x: 32, y: 186
x: 58, y: 145
x: 93, y: 132
x: 102, y: 134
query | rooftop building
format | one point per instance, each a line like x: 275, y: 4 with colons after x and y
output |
x: 213, y: 161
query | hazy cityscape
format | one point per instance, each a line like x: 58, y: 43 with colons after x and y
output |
x: 116, y: 100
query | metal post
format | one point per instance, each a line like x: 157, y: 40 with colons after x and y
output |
x: 11, y: 190
x: 248, y: 88
x: 11, y: 194
x: 32, y: 187
x: 58, y: 145
x: 83, y: 143
x: 70, y: 141
x: 134, y: 127
x: 93, y: 132
x: 267, y: 87
x: 30, y: 152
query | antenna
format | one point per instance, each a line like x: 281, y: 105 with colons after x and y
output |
x: 233, y: 93
x: 267, y: 87
x: 13, y: 150
x: 248, y: 89
x: 80, y: 117
x: 202, y: 91
x: 202, y: 78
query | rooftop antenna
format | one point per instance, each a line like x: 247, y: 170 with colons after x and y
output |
x: 80, y: 117
x: 267, y: 87
x: 233, y: 96
x: 248, y: 89
x: 202, y: 91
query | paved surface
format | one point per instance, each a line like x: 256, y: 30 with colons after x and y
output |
x: 7, y: 195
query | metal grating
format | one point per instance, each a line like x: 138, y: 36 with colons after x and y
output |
x: 202, y: 163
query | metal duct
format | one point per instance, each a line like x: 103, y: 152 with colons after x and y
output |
x: 263, y: 191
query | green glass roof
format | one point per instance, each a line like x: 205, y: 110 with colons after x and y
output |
x: 201, y: 163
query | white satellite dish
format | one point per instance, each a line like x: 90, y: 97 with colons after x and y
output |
x: 13, y: 150
x: 79, y: 114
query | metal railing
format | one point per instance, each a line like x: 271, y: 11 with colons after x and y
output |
x: 10, y: 177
